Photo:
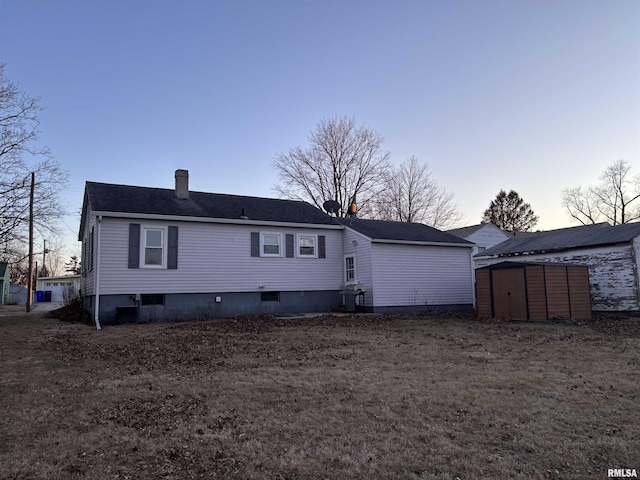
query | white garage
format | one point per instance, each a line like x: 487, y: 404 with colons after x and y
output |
x: 57, y: 289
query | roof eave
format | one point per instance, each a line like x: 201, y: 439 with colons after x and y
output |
x: 415, y: 242
x: 230, y: 221
x: 552, y: 250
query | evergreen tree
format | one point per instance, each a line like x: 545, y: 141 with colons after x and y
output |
x: 509, y: 212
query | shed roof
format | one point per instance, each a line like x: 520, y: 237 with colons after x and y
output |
x: 112, y: 198
x: 400, y: 231
x: 565, y: 239
x: 508, y: 264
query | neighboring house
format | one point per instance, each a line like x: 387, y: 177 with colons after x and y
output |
x: 17, y: 294
x: 5, y: 283
x: 407, y: 266
x: 484, y: 235
x: 63, y: 288
x: 612, y: 254
x: 151, y: 253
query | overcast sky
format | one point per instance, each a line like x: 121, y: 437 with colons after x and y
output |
x: 534, y: 96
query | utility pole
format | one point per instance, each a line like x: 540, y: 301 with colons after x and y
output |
x: 30, y: 282
x: 44, y: 260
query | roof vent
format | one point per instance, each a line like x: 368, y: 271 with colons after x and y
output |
x: 182, y: 184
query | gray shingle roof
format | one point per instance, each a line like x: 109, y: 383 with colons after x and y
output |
x: 565, y: 239
x: 105, y: 197
x: 464, y: 232
x: 400, y: 231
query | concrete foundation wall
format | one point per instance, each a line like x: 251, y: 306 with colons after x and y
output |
x: 115, y: 309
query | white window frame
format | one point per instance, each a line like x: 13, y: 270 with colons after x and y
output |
x: 355, y: 269
x: 298, y: 245
x: 262, y: 244
x: 143, y: 245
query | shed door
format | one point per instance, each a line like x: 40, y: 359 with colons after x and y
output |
x: 509, y: 297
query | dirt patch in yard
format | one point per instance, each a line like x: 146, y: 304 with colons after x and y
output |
x: 413, y: 397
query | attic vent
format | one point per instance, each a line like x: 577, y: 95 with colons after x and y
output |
x: 182, y: 184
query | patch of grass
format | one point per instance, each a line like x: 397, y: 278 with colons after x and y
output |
x: 418, y: 397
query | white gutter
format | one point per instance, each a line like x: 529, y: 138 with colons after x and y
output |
x: 96, y: 282
x: 233, y: 221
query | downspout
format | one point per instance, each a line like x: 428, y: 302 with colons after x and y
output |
x: 635, y: 257
x: 473, y: 277
x: 96, y: 283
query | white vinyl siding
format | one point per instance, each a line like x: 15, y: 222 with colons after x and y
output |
x: 488, y: 236
x: 88, y: 274
x: 419, y: 275
x: 357, y: 244
x: 217, y: 258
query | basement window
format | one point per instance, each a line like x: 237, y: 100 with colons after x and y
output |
x: 154, y: 299
x: 270, y: 296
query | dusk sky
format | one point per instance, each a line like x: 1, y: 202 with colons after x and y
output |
x: 535, y: 96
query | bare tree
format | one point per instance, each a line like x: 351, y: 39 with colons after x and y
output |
x: 341, y: 162
x: 510, y: 213
x: 18, y: 137
x: 412, y: 195
x: 616, y: 199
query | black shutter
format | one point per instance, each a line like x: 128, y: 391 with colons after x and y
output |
x: 289, y: 245
x: 172, y: 253
x: 322, y: 249
x: 255, y: 244
x: 134, y: 245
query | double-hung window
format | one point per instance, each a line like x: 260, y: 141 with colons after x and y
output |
x: 153, y: 244
x: 307, y: 246
x: 271, y: 245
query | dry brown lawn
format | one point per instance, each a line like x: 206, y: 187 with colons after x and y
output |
x: 353, y: 397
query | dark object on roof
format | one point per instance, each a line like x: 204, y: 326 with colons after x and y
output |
x: 400, y: 231
x: 565, y: 239
x: 3, y: 269
x: 533, y: 291
x: 331, y: 206
x: 110, y: 198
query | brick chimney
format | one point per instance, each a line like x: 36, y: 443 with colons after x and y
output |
x: 182, y: 184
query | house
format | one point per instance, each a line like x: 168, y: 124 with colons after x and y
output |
x: 152, y: 253
x: 407, y: 266
x: 5, y: 283
x: 62, y: 288
x: 484, y: 235
x: 612, y: 254
x: 17, y: 294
